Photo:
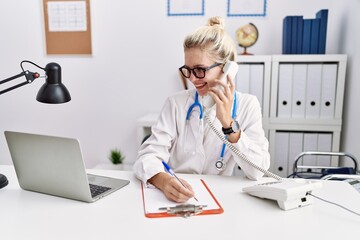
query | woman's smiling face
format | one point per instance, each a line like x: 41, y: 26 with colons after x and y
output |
x: 195, y: 57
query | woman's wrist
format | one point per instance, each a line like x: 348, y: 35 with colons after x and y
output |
x: 234, y: 137
x: 159, y: 179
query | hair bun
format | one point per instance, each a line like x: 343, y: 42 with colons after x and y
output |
x: 216, y: 21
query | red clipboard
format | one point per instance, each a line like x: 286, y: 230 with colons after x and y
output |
x: 153, y: 199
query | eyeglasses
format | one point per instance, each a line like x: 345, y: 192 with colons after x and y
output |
x: 198, y: 72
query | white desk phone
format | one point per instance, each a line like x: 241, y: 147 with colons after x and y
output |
x: 289, y: 193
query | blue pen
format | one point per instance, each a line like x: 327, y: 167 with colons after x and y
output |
x: 174, y: 175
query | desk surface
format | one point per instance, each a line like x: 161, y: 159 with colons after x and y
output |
x: 29, y: 215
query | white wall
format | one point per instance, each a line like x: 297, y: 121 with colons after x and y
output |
x: 351, y: 38
x: 137, y: 50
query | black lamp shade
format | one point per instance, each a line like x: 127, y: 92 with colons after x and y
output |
x: 53, y: 91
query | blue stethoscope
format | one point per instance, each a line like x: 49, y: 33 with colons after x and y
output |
x: 219, y: 163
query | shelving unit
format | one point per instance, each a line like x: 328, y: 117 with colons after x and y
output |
x: 293, y: 121
x: 312, y: 118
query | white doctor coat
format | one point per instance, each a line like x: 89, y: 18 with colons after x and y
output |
x: 170, y: 142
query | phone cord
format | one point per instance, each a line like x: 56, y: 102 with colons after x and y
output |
x: 237, y: 151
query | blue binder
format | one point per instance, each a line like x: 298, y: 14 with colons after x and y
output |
x: 323, y: 16
x: 314, y: 39
x: 306, y: 36
x: 286, y: 44
x: 294, y: 34
x: 299, y: 39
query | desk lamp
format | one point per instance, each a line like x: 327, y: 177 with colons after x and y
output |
x: 52, y: 92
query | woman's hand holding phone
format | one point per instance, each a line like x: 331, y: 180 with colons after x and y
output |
x: 229, y: 69
x: 224, y: 100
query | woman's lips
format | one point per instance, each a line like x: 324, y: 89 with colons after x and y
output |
x: 200, y: 86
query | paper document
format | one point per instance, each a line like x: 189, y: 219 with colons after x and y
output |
x: 154, y: 199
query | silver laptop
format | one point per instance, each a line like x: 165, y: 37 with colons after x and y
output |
x: 54, y: 165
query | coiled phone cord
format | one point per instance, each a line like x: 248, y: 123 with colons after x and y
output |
x: 237, y: 152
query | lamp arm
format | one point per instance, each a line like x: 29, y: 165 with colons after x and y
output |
x: 12, y: 78
x: 30, y: 77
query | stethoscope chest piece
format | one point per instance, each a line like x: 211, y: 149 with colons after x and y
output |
x: 219, y: 164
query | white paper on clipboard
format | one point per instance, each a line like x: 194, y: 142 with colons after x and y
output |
x: 154, y: 199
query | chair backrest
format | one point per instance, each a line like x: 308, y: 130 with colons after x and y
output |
x: 324, y: 170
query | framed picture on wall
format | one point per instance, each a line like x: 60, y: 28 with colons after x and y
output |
x: 246, y: 8
x: 186, y: 7
x: 67, y: 27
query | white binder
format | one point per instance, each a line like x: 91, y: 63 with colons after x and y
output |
x: 257, y: 81
x: 295, y: 148
x: 281, y: 153
x: 329, y: 76
x: 299, y: 90
x: 313, y: 92
x: 324, y: 145
x: 310, y: 144
x: 243, y: 78
x: 284, y: 91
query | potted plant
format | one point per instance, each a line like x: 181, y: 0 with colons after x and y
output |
x: 116, y: 157
x: 116, y: 162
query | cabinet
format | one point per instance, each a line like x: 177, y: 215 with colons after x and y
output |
x: 306, y: 105
x: 302, y: 105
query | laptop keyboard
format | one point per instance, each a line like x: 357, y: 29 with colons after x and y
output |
x: 97, y: 190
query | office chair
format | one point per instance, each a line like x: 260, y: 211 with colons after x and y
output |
x: 322, y: 172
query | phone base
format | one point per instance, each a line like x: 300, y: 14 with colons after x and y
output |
x: 295, y: 203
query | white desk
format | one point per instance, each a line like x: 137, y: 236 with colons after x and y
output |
x: 28, y: 215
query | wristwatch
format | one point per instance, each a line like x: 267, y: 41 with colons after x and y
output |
x: 234, y: 128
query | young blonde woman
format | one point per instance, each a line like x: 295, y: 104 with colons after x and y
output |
x: 183, y: 139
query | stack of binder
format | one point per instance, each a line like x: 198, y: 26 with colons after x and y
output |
x: 307, y: 91
x: 305, y: 36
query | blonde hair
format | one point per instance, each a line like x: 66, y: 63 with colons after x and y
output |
x: 214, y: 40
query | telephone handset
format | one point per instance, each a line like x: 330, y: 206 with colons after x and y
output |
x: 230, y: 68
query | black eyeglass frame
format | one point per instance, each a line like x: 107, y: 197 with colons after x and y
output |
x: 191, y: 70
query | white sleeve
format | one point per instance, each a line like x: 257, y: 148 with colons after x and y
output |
x: 157, y: 147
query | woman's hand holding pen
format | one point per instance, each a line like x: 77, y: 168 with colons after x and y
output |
x: 172, y: 188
